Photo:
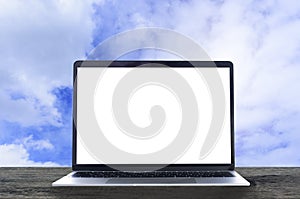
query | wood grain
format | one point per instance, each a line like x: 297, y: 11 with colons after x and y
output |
x: 36, y: 183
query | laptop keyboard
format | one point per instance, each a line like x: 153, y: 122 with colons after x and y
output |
x: 153, y: 174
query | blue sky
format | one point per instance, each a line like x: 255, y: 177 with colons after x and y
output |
x: 39, y: 41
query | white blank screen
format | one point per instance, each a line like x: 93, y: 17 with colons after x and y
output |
x: 139, y: 106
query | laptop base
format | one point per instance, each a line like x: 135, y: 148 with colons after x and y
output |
x: 69, y: 180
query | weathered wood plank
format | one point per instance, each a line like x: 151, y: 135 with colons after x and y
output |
x: 36, y: 183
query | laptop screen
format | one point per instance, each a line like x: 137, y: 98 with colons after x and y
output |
x: 152, y: 115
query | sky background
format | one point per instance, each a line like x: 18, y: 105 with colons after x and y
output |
x: 40, y: 40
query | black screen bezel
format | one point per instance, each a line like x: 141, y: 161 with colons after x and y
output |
x: 95, y: 167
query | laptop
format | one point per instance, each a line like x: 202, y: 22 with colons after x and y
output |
x: 153, y: 123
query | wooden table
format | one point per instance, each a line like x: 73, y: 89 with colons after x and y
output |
x: 36, y: 183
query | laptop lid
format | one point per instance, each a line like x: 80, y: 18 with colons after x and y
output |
x: 149, y: 115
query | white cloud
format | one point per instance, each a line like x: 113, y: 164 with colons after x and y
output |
x: 30, y: 143
x: 17, y: 155
x: 39, y: 42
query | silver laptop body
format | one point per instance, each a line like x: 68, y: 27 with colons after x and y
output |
x: 185, y: 139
